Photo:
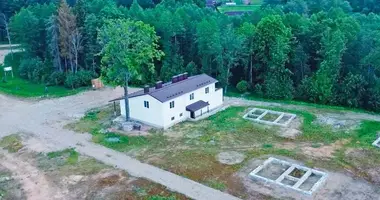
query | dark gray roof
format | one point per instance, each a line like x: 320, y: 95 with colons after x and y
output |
x: 172, y: 90
x: 197, y: 106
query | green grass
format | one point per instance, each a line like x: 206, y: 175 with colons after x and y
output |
x: 216, y: 184
x: 125, y: 144
x: 311, y: 131
x: 158, y: 197
x: 366, y: 134
x: 71, y: 155
x: 232, y: 92
x: 12, y: 143
x: 243, y: 8
x: 23, y: 88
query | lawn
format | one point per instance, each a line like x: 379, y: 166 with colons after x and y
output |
x: 23, y: 88
x: 239, y: 8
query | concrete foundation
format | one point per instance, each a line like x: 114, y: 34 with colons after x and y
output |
x: 286, y: 174
x: 269, y: 117
x: 376, y: 143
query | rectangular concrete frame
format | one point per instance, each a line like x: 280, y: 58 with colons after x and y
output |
x: 275, y: 122
x: 284, y: 175
x: 376, y: 143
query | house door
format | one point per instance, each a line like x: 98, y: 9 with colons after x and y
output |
x: 192, y: 115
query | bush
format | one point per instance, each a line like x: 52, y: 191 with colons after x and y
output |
x: 85, y: 77
x: 34, y: 70
x: 57, y: 78
x: 258, y: 90
x: 79, y: 79
x: 242, y: 86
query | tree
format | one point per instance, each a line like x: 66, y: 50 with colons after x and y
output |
x: 230, y: 54
x: 53, y: 38
x: 67, y: 27
x: 127, y: 47
x: 271, y: 49
x: 333, y: 49
x: 23, y: 29
x: 247, y: 31
x: 76, y: 46
x: 4, y: 21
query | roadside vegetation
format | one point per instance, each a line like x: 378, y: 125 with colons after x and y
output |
x: 17, y: 86
x: 12, y: 143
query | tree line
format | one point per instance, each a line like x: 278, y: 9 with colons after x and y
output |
x: 317, y: 51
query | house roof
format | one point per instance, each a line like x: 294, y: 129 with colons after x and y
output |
x: 171, y: 90
x: 197, y: 106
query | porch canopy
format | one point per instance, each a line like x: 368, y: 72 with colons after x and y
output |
x: 197, y: 106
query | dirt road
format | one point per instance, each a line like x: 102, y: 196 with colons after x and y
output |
x: 45, y: 119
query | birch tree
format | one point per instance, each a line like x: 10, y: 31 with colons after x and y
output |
x: 4, y: 20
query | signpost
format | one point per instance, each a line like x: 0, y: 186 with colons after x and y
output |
x: 8, y: 69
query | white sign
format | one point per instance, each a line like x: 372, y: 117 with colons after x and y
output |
x: 7, y: 69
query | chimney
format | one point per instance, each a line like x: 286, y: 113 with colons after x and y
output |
x: 184, y: 76
x: 174, y: 79
x: 180, y: 77
x: 158, y: 84
x: 146, y: 89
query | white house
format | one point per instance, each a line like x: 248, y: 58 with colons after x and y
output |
x: 166, y: 104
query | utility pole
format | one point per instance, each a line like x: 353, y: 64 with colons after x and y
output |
x: 4, y: 19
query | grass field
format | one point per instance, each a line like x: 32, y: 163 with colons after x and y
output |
x: 240, y: 7
x: 23, y: 88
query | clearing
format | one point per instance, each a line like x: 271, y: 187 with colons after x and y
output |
x: 227, y: 148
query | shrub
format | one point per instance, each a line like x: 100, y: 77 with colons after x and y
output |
x: 33, y: 69
x: 242, y: 86
x: 57, y: 78
x: 258, y: 90
x: 72, y: 81
x: 79, y: 79
x: 85, y: 77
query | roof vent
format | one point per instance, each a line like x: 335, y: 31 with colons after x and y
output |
x: 146, y: 89
x: 158, y: 84
x: 174, y: 79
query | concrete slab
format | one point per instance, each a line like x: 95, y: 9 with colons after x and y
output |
x: 376, y: 143
x: 286, y: 179
x: 258, y: 115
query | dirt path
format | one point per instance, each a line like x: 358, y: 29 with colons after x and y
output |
x: 45, y: 119
x: 32, y: 180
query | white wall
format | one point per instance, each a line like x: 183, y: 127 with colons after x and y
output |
x: 215, y: 99
x: 160, y: 114
x: 152, y: 116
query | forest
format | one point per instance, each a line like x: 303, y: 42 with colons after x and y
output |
x: 319, y: 51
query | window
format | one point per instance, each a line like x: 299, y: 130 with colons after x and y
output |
x: 146, y: 104
x: 172, y: 104
x: 191, y: 96
x: 207, y: 90
x: 180, y: 114
x: 173, y: 118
